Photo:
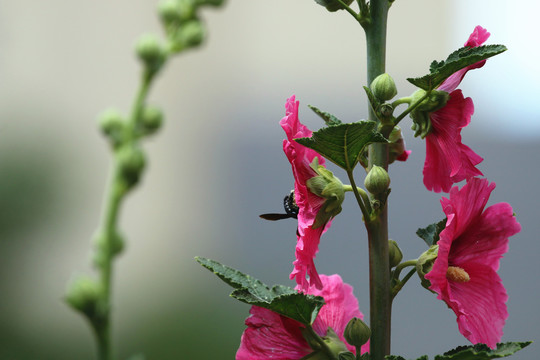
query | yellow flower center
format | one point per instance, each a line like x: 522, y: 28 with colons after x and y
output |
x: 457, y: 274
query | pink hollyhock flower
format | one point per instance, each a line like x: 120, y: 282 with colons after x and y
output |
x: 470, y: 247
x: 448, y: 161
x: 273, y: 336
x: 308, y: 203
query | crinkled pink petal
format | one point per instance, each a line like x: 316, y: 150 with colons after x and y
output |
x: 477, y: 38
x: 307, y: 247
x: 272, y: 336
x: 474, y: 239
x: 448, y: 160
x: 308, y: 203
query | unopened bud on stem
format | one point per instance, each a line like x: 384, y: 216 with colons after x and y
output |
x: 383, y: 87
x: 377, y: 180
x: 150, y: 52
x: 83, y: 295
x: 356, y: 332
x: 395, y: 253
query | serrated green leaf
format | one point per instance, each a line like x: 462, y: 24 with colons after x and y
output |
x: 482, y: 352
x: 328, y: 118
x: 341, y: 144
x: 459, y: 59
x: 281, y: 299
x: 430, y: 234
x: 397, y: 357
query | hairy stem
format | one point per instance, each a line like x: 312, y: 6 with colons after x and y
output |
x: 379, y: 269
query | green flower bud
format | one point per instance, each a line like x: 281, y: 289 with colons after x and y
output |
x: 421, y: 121
x: 377, y: 180
x: 131, y: 163
x: 329, y: 187
x: 151, y: 119
x: 395, y: 253
x: 112, y: 125
x: 425, y: 264
x: 356, y: 332
x: 150, y: 51
x: 169, y: 11
x: 83, y: 295
x: 333, y: 5
x: 107, y: 247
x: 383, y: 87
x: 175, y: 12
x: 191, y: 34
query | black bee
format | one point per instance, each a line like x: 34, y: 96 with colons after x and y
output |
x: 291, y: 209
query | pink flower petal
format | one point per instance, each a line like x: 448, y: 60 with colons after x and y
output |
x: 308, y: 203
x: 448, y: 160
x: 474, y: 240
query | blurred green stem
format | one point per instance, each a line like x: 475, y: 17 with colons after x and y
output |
x: 108, y: 230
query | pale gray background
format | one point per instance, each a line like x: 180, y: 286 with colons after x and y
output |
x: 218, y: 163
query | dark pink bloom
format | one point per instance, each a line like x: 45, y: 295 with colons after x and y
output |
x: 308, y: 203
x: 448, y: 161
x: 273, y: 336
x: 464, y: 274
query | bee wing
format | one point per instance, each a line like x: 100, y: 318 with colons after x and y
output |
x: 275, y: 216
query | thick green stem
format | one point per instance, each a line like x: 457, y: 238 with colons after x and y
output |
x: 379, y: 268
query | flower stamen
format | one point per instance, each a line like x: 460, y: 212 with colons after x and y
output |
x: 457, y: 274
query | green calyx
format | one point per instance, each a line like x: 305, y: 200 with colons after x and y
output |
x: 325, y: 348
x: 420, y: 115
x: 425, y: 264
x: 329, y: 187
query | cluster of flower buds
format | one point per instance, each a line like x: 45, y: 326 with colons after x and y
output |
x: 182, y: 25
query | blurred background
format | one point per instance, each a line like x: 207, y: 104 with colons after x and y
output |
x: 218, y: 164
